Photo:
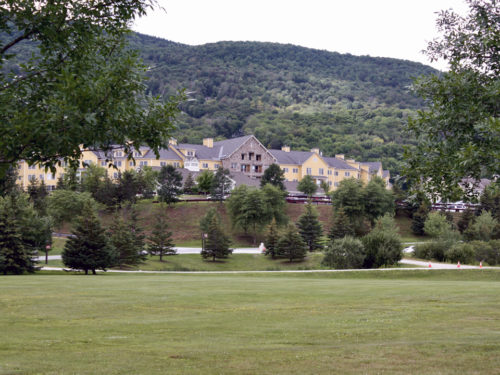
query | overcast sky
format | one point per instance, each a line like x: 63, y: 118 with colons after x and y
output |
x: 387, y: 28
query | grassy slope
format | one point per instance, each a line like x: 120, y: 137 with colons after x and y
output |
x: 184, y: 221
x: 441, y: 322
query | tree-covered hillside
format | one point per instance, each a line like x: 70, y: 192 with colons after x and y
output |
x: 286, y: 94
x: 283, y: 94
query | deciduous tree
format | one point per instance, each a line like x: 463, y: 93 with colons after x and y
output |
x: 273, y: 175
x: 459, y: 134
x: 82, y: 87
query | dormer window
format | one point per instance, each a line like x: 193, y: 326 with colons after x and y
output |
x: 118, y: 154
x: 190, y: 153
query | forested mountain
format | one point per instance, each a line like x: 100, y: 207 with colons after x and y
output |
x: 286, y: 94
x: 283, y: 94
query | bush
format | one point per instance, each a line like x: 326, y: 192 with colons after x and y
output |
x: 488, y: 252
x: 436, y: 224
x: 432, y: 250
x: 344, y: 253
x: 460, y: 252
x: 483, y: 228
x: 381, y: 249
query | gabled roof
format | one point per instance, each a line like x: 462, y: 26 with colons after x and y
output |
x: 373, y: 166
x: 228, y: 146
x: 202, y: 152
x: 291, y: 157
x: 339, y: 163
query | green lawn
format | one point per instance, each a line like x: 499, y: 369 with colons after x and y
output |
x: 413, y: 322
x: 235, y: 262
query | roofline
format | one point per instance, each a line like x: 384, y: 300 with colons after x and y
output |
x: 250, y: 137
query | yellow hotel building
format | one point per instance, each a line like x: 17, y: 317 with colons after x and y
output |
x: 244, y: 156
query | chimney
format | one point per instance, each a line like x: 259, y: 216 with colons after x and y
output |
x: 208, y: 142
x: 172, y: 142
x: 351, y: 161
x: 285, y: 148
x: 339, y: 156
x: 315, y: 150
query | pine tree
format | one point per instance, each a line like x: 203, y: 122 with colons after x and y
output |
x: 160, y: 241
x: 122, y: 240
x: 272, y: 238
x: 291, y: 245
x: 188, y: 184
x: 15, y: 256
x: 138, y: 236
x: 341, y: 225
x: 88, y: 249
x: 217, y: 243
x: 466, y: 219
x: 310, y: 228
x: 418, y: 221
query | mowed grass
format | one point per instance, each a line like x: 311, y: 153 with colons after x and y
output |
x: 390, y: 322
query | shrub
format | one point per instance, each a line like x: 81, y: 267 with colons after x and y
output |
x: 460, y: 252
x: 488, y: 252
x: 344, y: 253
x: 381, y: 248
x: 436, y: 224
x: 483, y: 228
x: 432, y: 250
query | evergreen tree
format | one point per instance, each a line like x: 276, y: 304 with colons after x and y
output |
x: 188, y: 184
x: 291, y: 245
x: 341, y: 225
x: 8, y: 181
x: 160, y: 240
x: 221, y: 185
x: 418, y: 220
x: 217, y: 243
x: 38, y: 196
x: 127, y: 187
x: 350, y: 196
x: 88, y: 249
x: 310, y: 228
x: 272, y: 238
x: 275, y: 176
x: 121, y: 239
x: 466, y: 219
x: 15, y: 256
x: 138, y: 236
x: 207, y: 219
x: 171, y: 184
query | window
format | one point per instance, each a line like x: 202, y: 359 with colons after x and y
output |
x: 295, y: 170
x: 103, y: 163
x: 257, y: 168
x: 347, y: 174
x: 321, y: 172
x: 285, y: 170
x: 51, y: 176
x: 205, y: 165
x: 177, y: 164
x: 190, y: 153
x: 336, y: 174
x: 245, y: 167
x: 329, y: 172
x: 329, y: 183
x: 119, y: 163
x: 258, y: 157
x: 295, y: 180
x: 41, y: 177
x: 137, y: 154
x: 234, y: 165
x: 32, y: 167
x: 118, y: 154
x: 141, y: 164
x: 250, y: 155
x: 309, y: 171
x: 242, y: 156
x: 131, y: 163
x: 216, y: 166
x: 163, y: 163
x: 31, y: 177
x: 336, y: 184
x: 115, y: 175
